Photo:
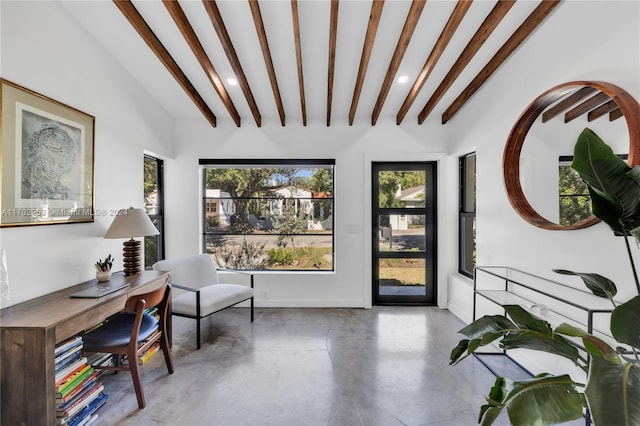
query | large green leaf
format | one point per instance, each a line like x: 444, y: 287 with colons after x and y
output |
x: 613, y: 393
x: 555, y: 344
x: 599, y: 285
x: 463, y: 349
x: 593, y: 345
x: 613, y: 185
x: 458, y: 352
x: 625, y: 322
x: 526, y: 320
x: 540, y: 401
x: 481, y: 332
x: 636, y: 233
x: 607, y: 209
x: 485, y: 324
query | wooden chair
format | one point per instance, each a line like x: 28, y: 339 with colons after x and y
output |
x: 206, y: 294
x: 132, y: 332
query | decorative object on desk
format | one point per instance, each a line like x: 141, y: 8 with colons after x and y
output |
x: 47, y: 160
x: 103, y: 276
x: 612, y: 389
x: 103, y: 269
x: 131, y: 223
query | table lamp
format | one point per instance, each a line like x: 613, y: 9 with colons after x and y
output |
x: 131, y: 223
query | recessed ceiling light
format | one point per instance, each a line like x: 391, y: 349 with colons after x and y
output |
x: 403, y: 79
x: 232, y: 82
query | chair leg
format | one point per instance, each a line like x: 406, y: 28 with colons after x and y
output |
x: 137, y: 379
x: 164, y: 344
x: 198, y: 333
x: 252, y: 309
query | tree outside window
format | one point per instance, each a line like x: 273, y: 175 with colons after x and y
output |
x: 270, y: 214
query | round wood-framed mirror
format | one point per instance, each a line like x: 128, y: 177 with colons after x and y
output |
x: 625, y: 106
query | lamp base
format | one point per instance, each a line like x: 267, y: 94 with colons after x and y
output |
x: 131, y: 257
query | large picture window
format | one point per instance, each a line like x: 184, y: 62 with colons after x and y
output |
x: 269, y: 214
x: 467, y: 224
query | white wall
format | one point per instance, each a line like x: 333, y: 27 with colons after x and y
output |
x: 62, y: 62
x: 353, y: 148
x: 582, y: 41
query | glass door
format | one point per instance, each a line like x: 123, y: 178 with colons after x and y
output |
x: 404, y: 233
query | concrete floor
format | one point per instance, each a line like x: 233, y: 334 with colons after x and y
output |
x: 385, y: 366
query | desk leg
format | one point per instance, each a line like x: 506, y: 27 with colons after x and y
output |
x: 27, y: 375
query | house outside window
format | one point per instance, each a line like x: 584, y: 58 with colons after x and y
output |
x: 467, y: 215
x: 269, y: 214
x: 153, y: 204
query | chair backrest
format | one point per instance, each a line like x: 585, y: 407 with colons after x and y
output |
x: 192, y: 271
x: 158, y: 298
x: 139, y: 303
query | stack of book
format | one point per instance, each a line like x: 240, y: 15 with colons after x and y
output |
x: 78, y: 394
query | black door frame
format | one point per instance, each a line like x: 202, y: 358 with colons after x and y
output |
x: 430, y: 253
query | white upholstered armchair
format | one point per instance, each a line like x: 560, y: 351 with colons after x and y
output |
x: 205, y: 293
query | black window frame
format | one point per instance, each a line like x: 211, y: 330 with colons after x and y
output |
x: 466, y: 243
x: 157, y: 218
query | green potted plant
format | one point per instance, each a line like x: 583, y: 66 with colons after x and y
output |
x: 612, y: 389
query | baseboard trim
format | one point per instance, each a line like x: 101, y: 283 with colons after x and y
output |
x: 309, y: 303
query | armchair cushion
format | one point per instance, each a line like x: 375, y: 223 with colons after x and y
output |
x: 197, y: 276
x: 212, y: 299
x: 195, y: 271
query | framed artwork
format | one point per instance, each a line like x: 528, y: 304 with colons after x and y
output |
x: 47, y: 157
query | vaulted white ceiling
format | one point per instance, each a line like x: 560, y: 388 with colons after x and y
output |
x: 350, y: 61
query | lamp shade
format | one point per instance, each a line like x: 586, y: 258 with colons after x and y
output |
x: 131, y: 223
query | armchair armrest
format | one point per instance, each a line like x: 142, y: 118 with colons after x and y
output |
x: 181, y: 287
x: 235, y: 271
x: 194, y: 290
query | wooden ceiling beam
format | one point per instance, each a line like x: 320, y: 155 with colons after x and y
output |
x: 369, y: 39
x: 216, y: 19
x: 524, y: 30
x: 333, y: 36
x: 181, y: 21
x: 445, y: 37
x: 479, y: 38
x: 142, y: 28
x: 296, y: 36
x: 567, y: 102
x: 603, y: 109
x: 586, y: 106
x: 615, y: 114
x: 266, y: 53
x: 417, y: 6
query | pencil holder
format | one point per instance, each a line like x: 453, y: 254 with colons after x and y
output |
x: 103, y: 276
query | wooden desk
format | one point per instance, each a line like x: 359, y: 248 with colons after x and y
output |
x: 29, y: 332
